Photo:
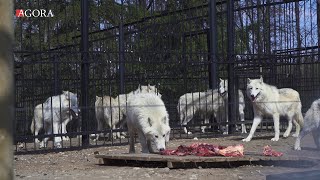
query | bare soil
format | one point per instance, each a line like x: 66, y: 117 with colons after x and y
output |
x: 83, y: 165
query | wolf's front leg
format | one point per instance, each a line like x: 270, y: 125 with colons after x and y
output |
x: 256, y: 122
x: 64, y: 130
x: 131, y: 141
x: 57, y: 139
x: 243, y: 126
x: 276, y: 121
x: 143, y: 142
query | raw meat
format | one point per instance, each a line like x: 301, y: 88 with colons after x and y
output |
x: 268, y: 151
x: 203, y: 149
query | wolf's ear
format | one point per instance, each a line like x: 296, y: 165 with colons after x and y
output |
x: 221, y: 79
x: 261, y: 79
x: 149, y: 121
x: 249, y: 80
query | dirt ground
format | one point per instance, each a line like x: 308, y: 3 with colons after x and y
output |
x: 83, y: 165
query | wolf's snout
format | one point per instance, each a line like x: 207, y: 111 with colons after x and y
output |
x: 253, y: 97
x: 161, y: 149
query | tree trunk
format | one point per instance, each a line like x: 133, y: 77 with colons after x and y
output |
x: 6, y: 88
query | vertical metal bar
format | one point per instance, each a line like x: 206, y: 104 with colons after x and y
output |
x: 230, y: 57
x: 84, y: 69
x: 56, y: 76
x: 213, y: 73
x: 318, y: 28
x: 121, y: 51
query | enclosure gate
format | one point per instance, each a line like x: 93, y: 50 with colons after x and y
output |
x: 106, y: 48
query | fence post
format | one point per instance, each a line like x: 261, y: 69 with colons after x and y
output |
x: 6, y: 89
x: 57, y: 89
x: 213, y: 73
x: 121, y: 51
x: 84, y: 70
x: 231, y: 59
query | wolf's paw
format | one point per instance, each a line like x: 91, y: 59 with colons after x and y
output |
x: 295, y: 135
x: 37, y: 140
x: 225, y: 133
x: 122, y: 137
x: 274, y: 139
x: 65, y: 138
x: 244, y: 131
x: 286, y: 135
x: 189, y: 132
x: 96, y: 139
x: 298, y: 148
x: 42, y: 145
x: 246, y: 140
x: 57, y: 145
x: 123, y: 134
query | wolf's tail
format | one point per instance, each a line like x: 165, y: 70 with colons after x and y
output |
x: 299, y: 117
x: 32, y: 125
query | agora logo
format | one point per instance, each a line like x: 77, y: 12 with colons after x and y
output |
x: 34, y: 13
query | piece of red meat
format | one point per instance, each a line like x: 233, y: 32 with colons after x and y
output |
x: 232, y: 151
x: 268, y: 151
x: 204, y: 149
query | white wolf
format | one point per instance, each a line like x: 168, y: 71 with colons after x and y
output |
x: 211, y: 102
x: 311, y: 124
x: 147, y: 116
x: 223, y: 89
x: 54, y: 114
x: 110, y: 112
x: 268, y: 100
x: 204, y: 103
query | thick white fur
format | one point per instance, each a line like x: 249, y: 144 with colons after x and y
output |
x: 110, y: 112
x: 54, y: 114
x: 270, y: 101
x: 211, y: 102
x: 147, y: 116
x: 311, y: 124
x: 204, y: 103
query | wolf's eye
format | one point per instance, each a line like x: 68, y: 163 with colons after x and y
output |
x: 156, y: 136
x: 257, y: 88
x: 251, y: 88
x: 164, y: 135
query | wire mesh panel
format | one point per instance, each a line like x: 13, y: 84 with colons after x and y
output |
x: 106, y: 51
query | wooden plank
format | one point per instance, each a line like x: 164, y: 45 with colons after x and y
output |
x: 188, y: 161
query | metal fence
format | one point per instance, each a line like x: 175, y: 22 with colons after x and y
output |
x: 106, y: 48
